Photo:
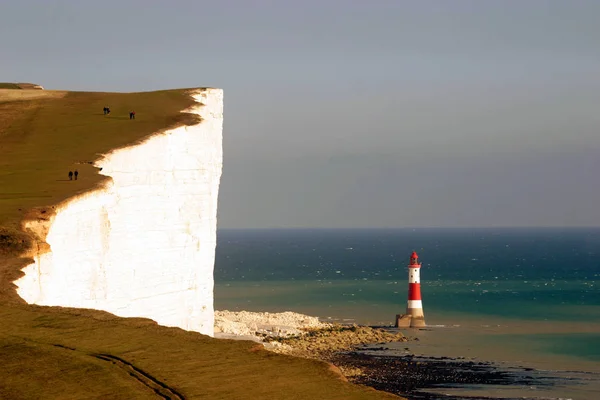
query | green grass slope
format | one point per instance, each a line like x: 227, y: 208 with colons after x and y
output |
x: 59, y: 353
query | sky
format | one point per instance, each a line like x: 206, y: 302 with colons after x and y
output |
x: 348, y: 113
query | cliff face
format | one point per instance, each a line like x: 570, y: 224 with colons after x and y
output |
x: 144, y: 245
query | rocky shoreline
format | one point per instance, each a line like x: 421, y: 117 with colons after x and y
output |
x: 297, y: 334
x: 360, y: 354
x: 323, y: 343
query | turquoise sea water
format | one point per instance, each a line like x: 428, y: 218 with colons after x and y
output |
x: 581, y: 345
x: 510, y: 294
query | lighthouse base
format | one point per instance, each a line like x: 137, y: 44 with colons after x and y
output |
x: 410, y: 321
x: 403, y: 320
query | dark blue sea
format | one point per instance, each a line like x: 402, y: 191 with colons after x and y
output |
x: 527, y: 296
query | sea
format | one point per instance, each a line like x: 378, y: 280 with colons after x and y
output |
x: 520, y: 298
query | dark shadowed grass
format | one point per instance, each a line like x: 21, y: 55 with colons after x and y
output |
x: 58, y: 353
x: 8, y: 85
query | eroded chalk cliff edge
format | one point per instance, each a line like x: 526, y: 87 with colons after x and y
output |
x: 144, y: 244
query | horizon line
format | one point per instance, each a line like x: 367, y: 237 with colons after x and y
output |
x: 413, y: 227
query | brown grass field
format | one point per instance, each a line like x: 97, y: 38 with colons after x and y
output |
x: 60, y: 353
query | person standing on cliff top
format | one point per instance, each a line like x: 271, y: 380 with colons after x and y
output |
x: 70, y: 175
x: 75, y: 174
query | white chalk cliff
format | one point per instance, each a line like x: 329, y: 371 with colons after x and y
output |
x: 144, y: 245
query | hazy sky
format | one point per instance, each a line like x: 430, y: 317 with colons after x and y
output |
x: 382, y: 113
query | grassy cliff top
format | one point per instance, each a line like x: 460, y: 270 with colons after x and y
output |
x: 46, y: 134
x: 58, y: 353
x: 8, y: 85
x: 24, y: 85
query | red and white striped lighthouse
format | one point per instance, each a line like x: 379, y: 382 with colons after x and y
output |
x: 414, y: 317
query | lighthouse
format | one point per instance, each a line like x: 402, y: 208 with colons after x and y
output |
x: 414, y: 317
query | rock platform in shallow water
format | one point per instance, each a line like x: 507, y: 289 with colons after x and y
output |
x: 298, y: 334
x: 321, y: 343
x: 433, y: 378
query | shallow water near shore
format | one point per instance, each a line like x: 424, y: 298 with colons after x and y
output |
x: 518, y: 298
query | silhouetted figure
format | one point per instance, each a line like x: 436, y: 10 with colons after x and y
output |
x: 75, y: 174
x: 107, y: 110
x: 70, y: 175
x: 104, y: 109
x: 132, y: 115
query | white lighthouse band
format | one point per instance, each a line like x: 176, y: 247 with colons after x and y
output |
x: 412, y: 304
x: 414, y: 275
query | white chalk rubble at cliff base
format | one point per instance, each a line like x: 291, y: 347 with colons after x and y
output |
x: 144, y: 245
x: 253, y: 325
